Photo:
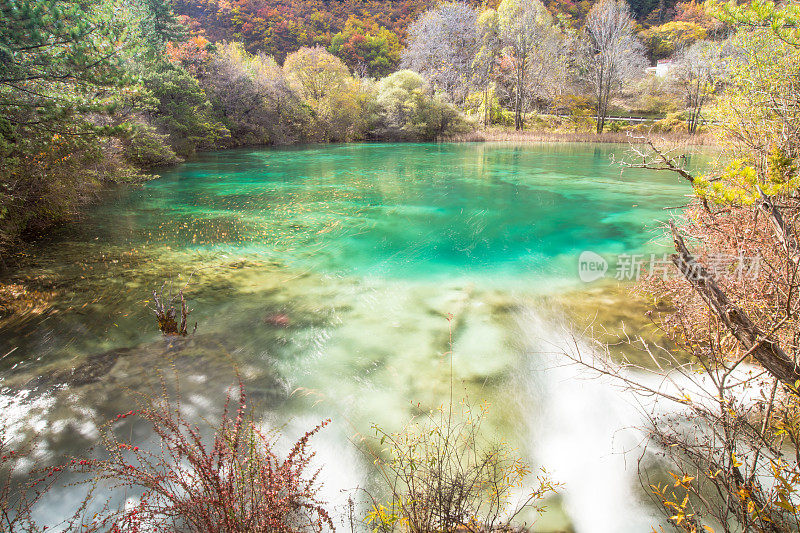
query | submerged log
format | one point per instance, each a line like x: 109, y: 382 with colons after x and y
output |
x: 167, y: 315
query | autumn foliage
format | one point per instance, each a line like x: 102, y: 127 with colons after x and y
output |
x: 233, y: 480
x: 283, y: 26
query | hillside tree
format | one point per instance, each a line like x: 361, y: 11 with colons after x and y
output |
x: 612, y: 53
x: 698, y: 74
x: 367, y: 49
x: 530, y: 42
x: 442, y: 45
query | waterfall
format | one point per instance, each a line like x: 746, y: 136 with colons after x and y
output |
x: 583, y: 430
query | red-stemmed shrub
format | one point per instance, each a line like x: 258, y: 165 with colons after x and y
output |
x: 233, y: 482
x: 21, y: 490
x: 16, y: 497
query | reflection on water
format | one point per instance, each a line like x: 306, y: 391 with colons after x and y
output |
x: 324, y: 274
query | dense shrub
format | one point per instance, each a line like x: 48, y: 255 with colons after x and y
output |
x: 254, y: 99
x: 409, y: 110
x: 145, y: 147
x: 182, y: 111
x: 236, y: 482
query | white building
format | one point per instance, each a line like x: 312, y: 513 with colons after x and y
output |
x: 662, y: 68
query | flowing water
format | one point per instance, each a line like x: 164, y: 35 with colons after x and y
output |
x: 326, y: 274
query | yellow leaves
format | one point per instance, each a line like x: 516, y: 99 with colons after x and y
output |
x: 781, y: 167
x: 735, y: 460
x: 682, y: 481
x: 382, y: 517
x: 199, y: 42
x: 744, y: 493
x: 788, y: 486
x: 674, y: 35
x: 679, y: 508
x: 736, y: 184
x: 784, y: 504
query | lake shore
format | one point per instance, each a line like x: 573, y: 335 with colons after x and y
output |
x: 539, y: 136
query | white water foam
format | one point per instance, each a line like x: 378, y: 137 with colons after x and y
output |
x: 584, y: 432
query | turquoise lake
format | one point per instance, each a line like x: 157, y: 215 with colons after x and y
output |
x: 324, y: 275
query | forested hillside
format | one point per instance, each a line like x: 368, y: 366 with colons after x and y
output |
x: 279, y: 27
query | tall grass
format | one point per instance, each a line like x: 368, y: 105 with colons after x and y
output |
x: 532, y: 136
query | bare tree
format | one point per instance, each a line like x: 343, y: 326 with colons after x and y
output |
x: 530, y: 41
x: 564, y: 67
x: 548, y: 69
x: 255, y: 96
x: 612, y: 53
x: 698, y: 75
x: 442, y: 45
x: 484, y: 65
